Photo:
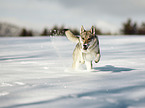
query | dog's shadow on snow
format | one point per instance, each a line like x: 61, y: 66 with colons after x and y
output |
x: 112, y: 69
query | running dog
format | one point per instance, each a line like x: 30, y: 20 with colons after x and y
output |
x: 87, y: 48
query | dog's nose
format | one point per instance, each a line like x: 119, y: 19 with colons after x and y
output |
x: 85, y: 46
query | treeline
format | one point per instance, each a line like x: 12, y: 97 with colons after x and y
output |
x: 26, y: 32
x: 128, y: 28
x: 55, y: 31
x: 132, y: 28
x: 59, y: 31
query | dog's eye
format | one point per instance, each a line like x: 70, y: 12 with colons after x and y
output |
x: 83, y: 38
x: 89, y: 38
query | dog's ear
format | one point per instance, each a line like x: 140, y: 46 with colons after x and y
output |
x: 82, y: 29
x: 93, y: 30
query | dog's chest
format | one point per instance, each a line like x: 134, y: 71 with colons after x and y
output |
x: 88, y: 56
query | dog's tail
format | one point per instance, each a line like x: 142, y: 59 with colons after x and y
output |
x: 71, y: 36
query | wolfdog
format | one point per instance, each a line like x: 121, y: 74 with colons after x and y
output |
x: 87, y: 48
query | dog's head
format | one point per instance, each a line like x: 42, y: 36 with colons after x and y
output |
x: 87, y: 37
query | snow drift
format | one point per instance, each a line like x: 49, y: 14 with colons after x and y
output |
x: 36, y: 72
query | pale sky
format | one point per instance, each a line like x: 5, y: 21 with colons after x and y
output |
x: 108, y: 15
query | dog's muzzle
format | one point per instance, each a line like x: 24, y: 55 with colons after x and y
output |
x: 85, y: 46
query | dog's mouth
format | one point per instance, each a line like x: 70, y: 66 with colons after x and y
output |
x: 85, y: 47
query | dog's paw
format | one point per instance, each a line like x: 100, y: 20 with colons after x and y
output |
x: 96, y: 61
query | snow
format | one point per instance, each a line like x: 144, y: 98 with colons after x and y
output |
x: 36, y: 72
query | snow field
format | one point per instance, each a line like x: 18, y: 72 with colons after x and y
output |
x: 36, y: 72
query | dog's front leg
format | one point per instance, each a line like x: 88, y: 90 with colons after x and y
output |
x: 75, y: 64
x: 88, y: 65
x: 97, y: 55
x: 97, y: 58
